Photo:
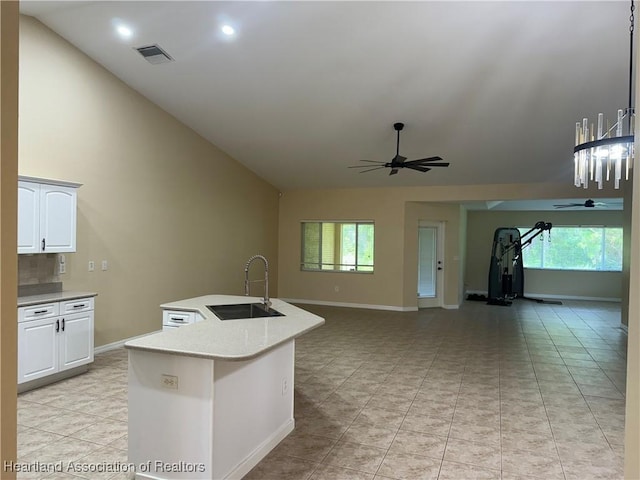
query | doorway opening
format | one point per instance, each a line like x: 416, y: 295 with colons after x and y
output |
x: 430, y: 264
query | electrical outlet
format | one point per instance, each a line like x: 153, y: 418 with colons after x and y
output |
x: 92, y: 265
x: 285, y: 386
x: 62, y: 268
x: 336, y: 289
x: 169, y: 381
x: 105, y: 265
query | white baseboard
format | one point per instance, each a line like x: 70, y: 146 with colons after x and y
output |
x: 259, y: 453
x: 556, y: 297
x: 351, y: 305
x: 119, y: 343
x: 451, y: 307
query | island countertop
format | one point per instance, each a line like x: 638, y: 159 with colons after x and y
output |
x: 239, y: 339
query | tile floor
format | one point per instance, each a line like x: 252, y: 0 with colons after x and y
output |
x: 527, y: 391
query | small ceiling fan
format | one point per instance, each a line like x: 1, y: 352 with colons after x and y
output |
x: 587, y: 204
x: 421, y: 165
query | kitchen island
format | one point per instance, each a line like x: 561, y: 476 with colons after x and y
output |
x: 209, y: 400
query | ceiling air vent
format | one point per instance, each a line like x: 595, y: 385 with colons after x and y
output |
x: 154, y: 54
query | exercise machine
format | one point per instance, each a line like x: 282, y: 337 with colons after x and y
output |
x: 506, y: 272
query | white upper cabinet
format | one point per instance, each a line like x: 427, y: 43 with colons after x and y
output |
x: 28, y: 217
x: 46, y: 216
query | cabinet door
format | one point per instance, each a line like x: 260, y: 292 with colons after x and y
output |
x: 28, y: 217
x: 37, y: 348
x: 76, y: 340
x: 58, y: 218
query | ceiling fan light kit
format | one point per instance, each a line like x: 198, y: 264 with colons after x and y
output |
x: 420, y: 165
x: 607, y: 148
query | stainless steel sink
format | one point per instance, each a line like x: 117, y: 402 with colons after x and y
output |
x: 243, y: 310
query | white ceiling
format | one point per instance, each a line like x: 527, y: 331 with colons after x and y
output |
x: 306, y: 89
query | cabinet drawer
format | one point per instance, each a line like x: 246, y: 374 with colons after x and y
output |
x: 36, y: 312
x: 77, y: 305
x: 177, y: 317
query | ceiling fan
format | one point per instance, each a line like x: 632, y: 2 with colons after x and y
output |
x: 588, y: 204
x: 421, y: 165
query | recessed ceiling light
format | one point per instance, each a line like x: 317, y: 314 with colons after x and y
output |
x: 228, y: 30
x: 124, y: 31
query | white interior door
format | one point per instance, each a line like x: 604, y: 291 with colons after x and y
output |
x: 430, y: 264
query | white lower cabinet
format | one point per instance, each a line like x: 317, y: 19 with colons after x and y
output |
x: 54, y: 344
x: 37, y: 349
x: 76, y: 341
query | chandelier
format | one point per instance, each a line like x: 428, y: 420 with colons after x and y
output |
x: 598, y: 155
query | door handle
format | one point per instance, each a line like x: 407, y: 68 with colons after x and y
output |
x: 57, y: 325
x: 44, y: 244
x: 63, y: 324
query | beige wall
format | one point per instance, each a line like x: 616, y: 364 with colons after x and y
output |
x: 174, y: 216
x: 8, y: 233
x: 395, y: 212
x: 632, y: 417
x: 481, y: 226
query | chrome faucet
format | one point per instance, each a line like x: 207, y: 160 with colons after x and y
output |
x: 266, y: 301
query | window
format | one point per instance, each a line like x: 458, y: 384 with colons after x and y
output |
x: 337, y: 246
x: 575, y: 248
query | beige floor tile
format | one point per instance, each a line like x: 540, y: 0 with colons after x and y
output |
x: 419, y: 444
x: 426, y: 424
x: 460, y: 471
x: 277, y: 467
x: 407, y: 466
x: 64, y: 450
x: 32, y: 439
x: 390, y: 370
x: 369, y: 434
x: 473, y: 453
x: 524, y: 462
x: 378, y: 416
x: 102, y: 432
x: 330, y: 472
x: 355, y: 456
x: 307, y: 447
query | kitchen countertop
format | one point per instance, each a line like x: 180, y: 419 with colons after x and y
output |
x: 53, y: 297
x: 240, y: 339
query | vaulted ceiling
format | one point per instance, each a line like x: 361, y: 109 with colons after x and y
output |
x: 303, y: 90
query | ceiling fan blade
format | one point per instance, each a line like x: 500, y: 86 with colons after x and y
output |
x: 568, y: 205
x: 440, y: 164
x: 393, y: 171
x: 428, y: 159
x: 418, y: 168
x: 372, y: 161
x: 371, y: 169
x: 398, y: 159
x: 364, y: 166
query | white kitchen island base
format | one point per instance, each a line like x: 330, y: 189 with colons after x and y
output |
x: 200, y: 418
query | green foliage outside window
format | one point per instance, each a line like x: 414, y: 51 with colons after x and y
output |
x: 575, y: 248
x: 337, y: 246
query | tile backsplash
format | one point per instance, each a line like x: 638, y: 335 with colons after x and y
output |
x: 36, y: 269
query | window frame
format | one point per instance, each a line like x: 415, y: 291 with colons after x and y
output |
x: 336, y: 267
